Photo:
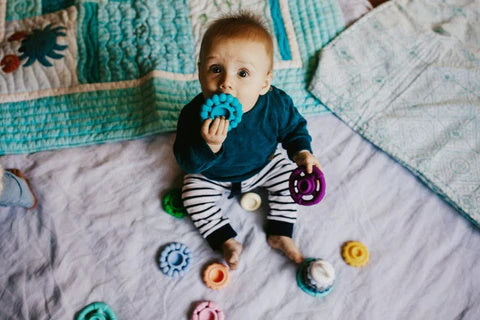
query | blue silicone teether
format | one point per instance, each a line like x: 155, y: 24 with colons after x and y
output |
x: 222, y: 105
x: 174, y: 259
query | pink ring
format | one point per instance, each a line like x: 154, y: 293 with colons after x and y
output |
x: 207, y: 310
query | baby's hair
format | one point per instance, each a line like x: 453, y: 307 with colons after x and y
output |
x: 242, y: 25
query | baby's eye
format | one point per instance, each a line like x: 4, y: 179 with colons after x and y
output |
x: 243, y: 73
x: 215, y: 69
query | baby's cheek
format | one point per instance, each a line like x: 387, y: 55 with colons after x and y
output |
x: 247, y: 103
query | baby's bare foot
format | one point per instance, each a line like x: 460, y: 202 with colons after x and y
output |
x: 231, y: 252
x: 287, y: 246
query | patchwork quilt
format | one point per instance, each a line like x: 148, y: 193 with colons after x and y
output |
x: 413, y: 90
x: 81, y: 72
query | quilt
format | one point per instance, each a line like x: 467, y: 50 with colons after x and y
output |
x: 76, y: 73
x: 413, y: 90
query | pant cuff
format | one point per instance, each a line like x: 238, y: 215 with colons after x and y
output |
x: 219, y: 236
x: 279, y: 228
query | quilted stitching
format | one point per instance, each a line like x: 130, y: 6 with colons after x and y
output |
x: 130, y: 66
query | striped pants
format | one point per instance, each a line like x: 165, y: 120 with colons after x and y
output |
x: 200, y: 196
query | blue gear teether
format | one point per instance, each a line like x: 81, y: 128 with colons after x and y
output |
x: 222, y: 105
x: 174, y: 259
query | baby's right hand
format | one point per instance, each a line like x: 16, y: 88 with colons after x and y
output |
x: 214, y: 132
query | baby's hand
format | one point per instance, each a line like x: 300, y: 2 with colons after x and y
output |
x: 305, y: 158
x: 214, y: 132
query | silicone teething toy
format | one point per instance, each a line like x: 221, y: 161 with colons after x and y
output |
x: 355, y: 253
x: 174, y: 259
x: 216, y: 276
x: 207, y: 310
x: 222, y: 105
x: 307, y: 189
x: 250, y: 201
x: 96, y: 311
x: 173, y: 205
x: 316, y: 277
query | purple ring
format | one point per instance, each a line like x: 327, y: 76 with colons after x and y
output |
x: 303, y: 185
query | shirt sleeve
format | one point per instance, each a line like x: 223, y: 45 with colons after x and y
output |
x: 293, y: 132
x: 191, y: 151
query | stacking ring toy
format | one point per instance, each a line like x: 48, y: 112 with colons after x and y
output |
x: 96, y: 311
x: 316, y: 277
x: 173, y: 204
x: 222, y: 105
x: 207, y: 310
x: 307, y: 189
x: 355, y: 253
x: 250, y: 201
x: 216, y: 276
x: 174, y: 259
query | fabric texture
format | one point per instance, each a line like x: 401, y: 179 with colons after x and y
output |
x: 100, y: 71
x: 248, y: 147
x: 99, y: 226
x: 407, y: 78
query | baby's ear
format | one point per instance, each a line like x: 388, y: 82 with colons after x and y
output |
x: 267, y: 83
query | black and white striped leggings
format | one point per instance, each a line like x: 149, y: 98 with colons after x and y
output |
x: 200, y: 195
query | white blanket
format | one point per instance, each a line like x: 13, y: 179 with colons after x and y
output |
x: 99, y: 226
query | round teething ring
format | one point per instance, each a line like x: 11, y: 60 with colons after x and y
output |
x: 207, y: 310
x: 96, y: 311
x: 307, y: 189
x: 251, y: 201
x: 355, y: 253
x: 303, y: 280
x: 222, y: 105
x: 173, y: 204
x: 174, y: 259
x: 216, y: 276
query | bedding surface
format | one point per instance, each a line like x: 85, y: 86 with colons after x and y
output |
x: 413, y: 90
x: 99, y: 227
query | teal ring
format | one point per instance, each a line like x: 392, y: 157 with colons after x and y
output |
x: 224, y: 105
x: 303, y: 286
x: 96, y: 311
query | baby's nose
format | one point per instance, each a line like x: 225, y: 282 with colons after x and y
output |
x: 226, y: 84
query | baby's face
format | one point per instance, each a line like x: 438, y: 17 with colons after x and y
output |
x: 236, y: 66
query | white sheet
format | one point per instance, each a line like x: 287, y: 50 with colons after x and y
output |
x: 99, y: 226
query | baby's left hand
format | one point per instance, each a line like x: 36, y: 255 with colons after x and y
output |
x: 305, y: 158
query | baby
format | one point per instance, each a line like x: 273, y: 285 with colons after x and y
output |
x: 236, y: 57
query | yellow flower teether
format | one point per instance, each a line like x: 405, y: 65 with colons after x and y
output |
x: 355, y: 253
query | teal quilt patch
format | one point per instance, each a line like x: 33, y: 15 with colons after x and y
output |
x: 407, y: 78
x: 77, y: 73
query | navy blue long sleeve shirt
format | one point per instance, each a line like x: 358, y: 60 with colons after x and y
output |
x: 248, y: 147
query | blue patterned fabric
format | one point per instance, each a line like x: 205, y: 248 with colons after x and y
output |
x: 113, y: 70
x: 413, y: 90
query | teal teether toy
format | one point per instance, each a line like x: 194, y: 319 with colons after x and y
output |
x: 316, y: 277
x: 222, y: 105
x: 96, y: 311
